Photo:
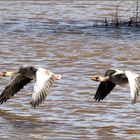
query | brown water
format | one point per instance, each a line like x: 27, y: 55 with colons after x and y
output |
x: 59, y: 36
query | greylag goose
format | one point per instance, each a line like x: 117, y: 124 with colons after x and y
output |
x: 115, y: 77
x: 24, y: 75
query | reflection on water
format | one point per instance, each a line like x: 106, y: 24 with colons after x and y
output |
x: 59, y: 36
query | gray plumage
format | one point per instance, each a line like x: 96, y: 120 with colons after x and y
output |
x: 115, y: 77
x: 24, y: 75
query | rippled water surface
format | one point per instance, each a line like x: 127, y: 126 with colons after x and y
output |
x: 59, y: 36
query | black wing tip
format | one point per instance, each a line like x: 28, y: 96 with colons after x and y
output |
x: 103, y: 90
x: 3, y: 99
x: 99, y: 96
x: 98, y: 99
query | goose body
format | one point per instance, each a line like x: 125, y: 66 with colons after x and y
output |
x: 115, y: 77
x: 24, y: 75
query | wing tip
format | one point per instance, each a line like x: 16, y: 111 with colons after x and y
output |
x: 33, y: 104
x: 98, y: 99
x: 133, y: 101
x: 99, y: 96
x: 3, y: 99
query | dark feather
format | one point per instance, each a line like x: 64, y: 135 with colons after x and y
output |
x: 16, y: 83
x: 109, y: 72
x: 103, y: 90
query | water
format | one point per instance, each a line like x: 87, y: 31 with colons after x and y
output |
x: 60, y: 37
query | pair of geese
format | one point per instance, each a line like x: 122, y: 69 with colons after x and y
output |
x: 44, y: 80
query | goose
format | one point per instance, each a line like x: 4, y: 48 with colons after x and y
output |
x: 115, y: 77
x: 24, y: 75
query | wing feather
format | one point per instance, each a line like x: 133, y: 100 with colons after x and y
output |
x: 16, y: 83
x: 134, y: 83
x: 103, y: 90
x: 40, y: 92
x: 44, y: 81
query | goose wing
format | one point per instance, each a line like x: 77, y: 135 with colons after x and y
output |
x: 105, y: 88
x: 41, y: 88
x: 17, y: 82
x: 134, y: 83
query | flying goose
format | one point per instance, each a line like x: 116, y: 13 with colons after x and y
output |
x: 115, y: 77
x: 24, y: 75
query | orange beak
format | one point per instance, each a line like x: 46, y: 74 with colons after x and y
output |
x: 2, y: 73
x: 94, y: 78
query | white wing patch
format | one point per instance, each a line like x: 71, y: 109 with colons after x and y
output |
x: 134, y: 83
x: 42, y: 86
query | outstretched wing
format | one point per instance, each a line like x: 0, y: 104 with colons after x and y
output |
x: 41, y: 87
x: 105, y: 88
x: 17, y: 82
x: 134, y: 83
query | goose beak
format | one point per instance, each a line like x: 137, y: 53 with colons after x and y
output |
x: 7, y: 73
x: 2, y: 73
x: 95, y: 78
